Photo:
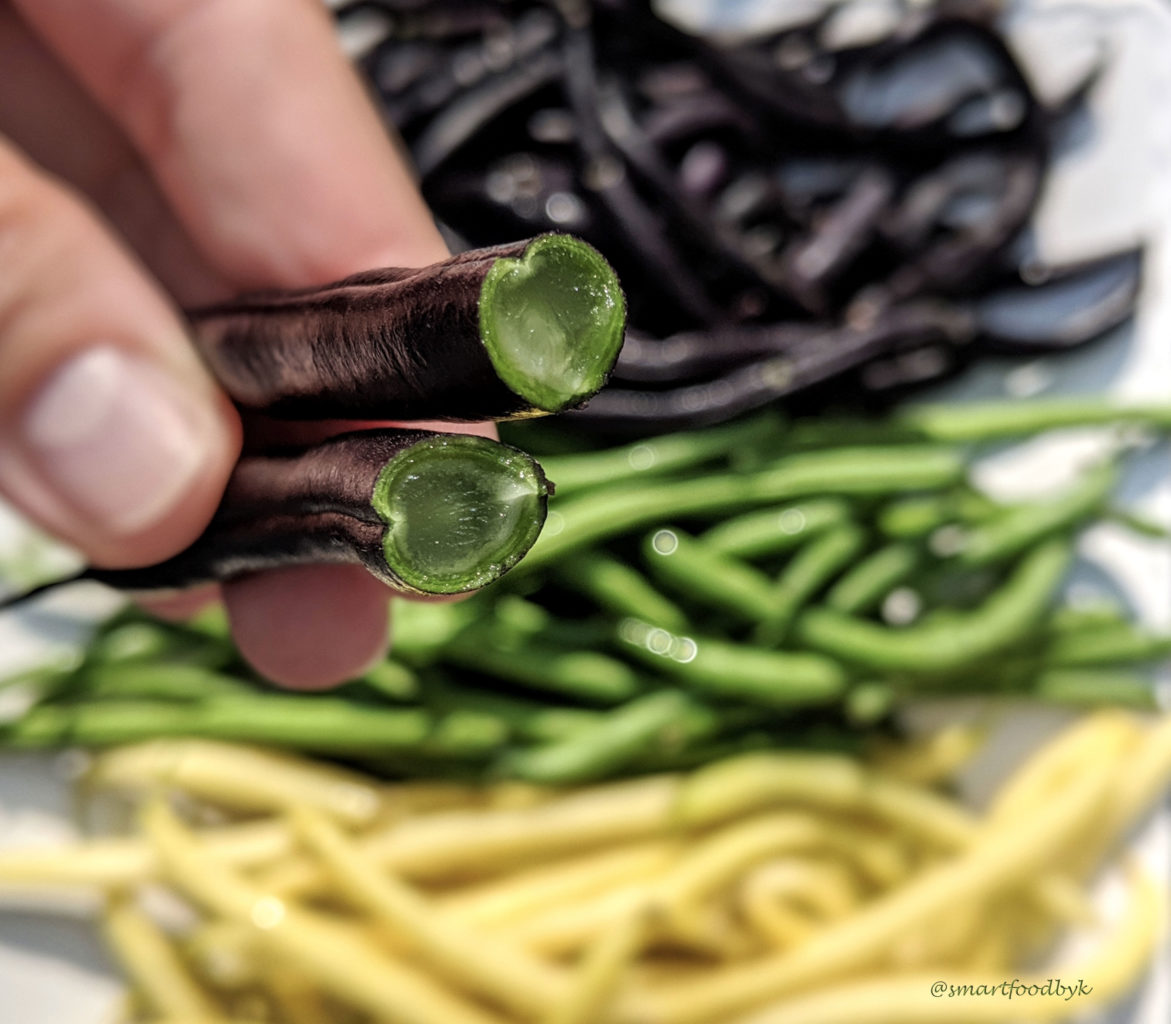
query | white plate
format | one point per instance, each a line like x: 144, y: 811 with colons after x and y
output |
x: 1112, y: 187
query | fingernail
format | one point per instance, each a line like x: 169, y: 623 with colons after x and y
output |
x: 116, y: 439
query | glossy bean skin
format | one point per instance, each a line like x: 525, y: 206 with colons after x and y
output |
x: 869, y: 472
x: 811, y: 569
x: 753, y: 675
x: 620, y: 589
x: 724, y: 582
x: 862, y: 588
x: 777, y: 530
x: 932, y: 647
x: 1017, y: 530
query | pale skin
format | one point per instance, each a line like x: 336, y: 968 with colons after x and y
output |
x: 157, y: 154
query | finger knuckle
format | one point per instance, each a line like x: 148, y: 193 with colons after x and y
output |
x: 39, y: 228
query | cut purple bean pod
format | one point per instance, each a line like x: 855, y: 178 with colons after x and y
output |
x: 812, y: 264
x: 985, y: 201
x: 807, y: 360
x: 940, y: 76
x: 515, y: 330
x: 454, y: 125
x: 426, y: 513
x: 692, y: 355
x: 1045, y: 309
x: 637, y: 225
x: 437, y: 77
x: 623, y: 131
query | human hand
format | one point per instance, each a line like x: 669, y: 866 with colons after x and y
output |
x: 165, y: 153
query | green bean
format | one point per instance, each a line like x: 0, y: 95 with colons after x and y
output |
x: 585, y: 675
x: 1113, y: 644
x: 775, y: 530
x: 158, y: 681
x: 527, y: 719
x: 1026, y: 525
x: 1000, y: 420
x: 820, y: 737
x: 863, y: 588
x: 721, y: 581
x: 1002, y: 620
x: 392, y: 679
x: 659, y: 722
x: 607, y: 512
x: 423, y: 629
x: 140, y: 639
x: 869, y: 702
x: 917, y: 516
x: 1139, y: 524
x: 699, y: 754
x: 1074, y: 619
x: 321, y: 725
x: 725, y: 670
x: 519, y: 617
x: 658, y: 455
x: 467, y: 732
x: 810, y: 569
x: 1082, y: 687
x: 49, y: 677
x: 1044, y: 672
x: 857, y: 471
x: 620, y: 589
x: 133, y: 641
x: 823, y: 432
x: 515, y: 621
x: 211, y: 622
x: 549, y: 725
x: 912, y: 518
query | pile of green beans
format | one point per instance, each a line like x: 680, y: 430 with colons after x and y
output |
x: 750, y: 586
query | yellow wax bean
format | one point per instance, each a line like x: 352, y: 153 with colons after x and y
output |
x: 120, y: 862
x: 297, y: 999
x: 917, y: 999
x: 153, y: 964
x: 778, y: 922
x: 831, y: 781
x: 537, y: 889
x: 1101, y: 734
x: 755, y: 782
x: 601, y: 974
x: 998, y: 861
x: 825, y: 887
x: 1145, y: 775
x: 449, y: 843
x: 994, y: 948
x: 331, y: 955
x: 506, y: 975
x: 714, y: 862
x: 933, y: 759
x: 239, y: 777
x: 717, y: 860
x: 571, y: 926
x: 709, y: 929
x: 224, y: 952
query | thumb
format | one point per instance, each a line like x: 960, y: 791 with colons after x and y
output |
x: 112, y: 434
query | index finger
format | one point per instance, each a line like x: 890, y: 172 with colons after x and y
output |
x: 256, y: 128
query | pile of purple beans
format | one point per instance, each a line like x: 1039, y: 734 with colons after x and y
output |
x: 794, y: 216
